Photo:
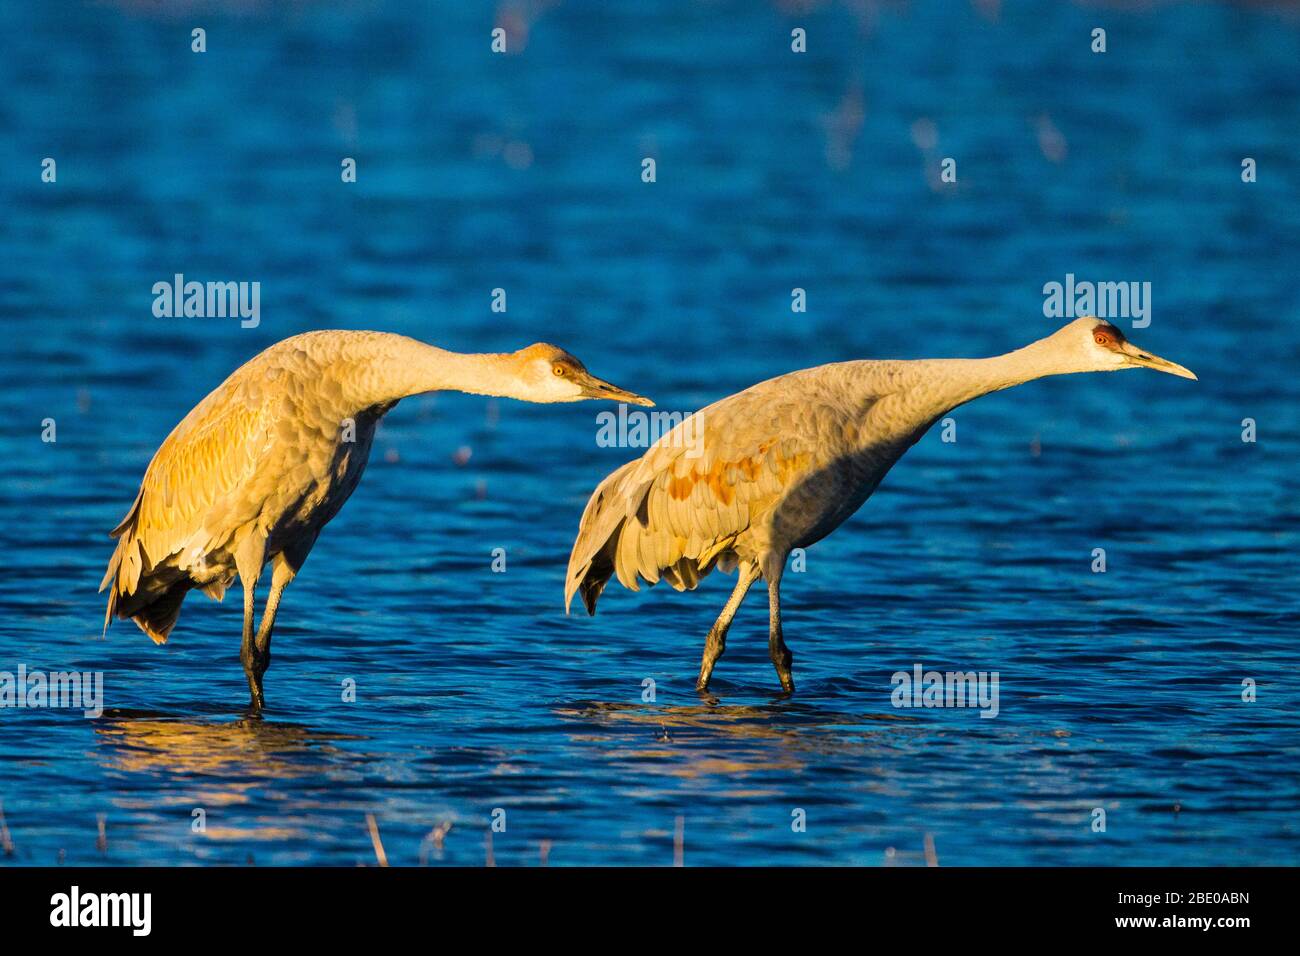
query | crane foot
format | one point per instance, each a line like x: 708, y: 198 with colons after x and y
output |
x: 783, y: 661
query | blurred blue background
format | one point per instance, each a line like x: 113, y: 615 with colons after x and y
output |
x: 775, y: 170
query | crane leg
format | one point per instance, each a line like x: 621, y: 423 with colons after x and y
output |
x: 247, y: 648
x: 716, y: 642
x: 782, y: 659
x: 281, y: 574
x: 249, y: 561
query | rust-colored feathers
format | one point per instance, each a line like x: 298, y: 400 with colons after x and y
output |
x: 704, y: 494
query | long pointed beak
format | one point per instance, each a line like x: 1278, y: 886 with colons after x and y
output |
x: 599, y: 388
x: 1147, y: 360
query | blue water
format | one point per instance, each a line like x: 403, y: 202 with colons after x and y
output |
x: 1119, y: 690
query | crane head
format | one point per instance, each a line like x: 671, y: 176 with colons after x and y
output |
x: 1105, y: 349
x: 550, y: 374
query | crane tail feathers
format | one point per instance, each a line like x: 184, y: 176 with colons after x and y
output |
x: 591, y: 584
x: 158, y: 618
x: 129, y: 520
x: 154, y: 605
x: 110, y: 582
x: 108, y: 612
x: 591, y: 593
x: 619, y: 537
x: 590, y: 563
x: 588, y: 581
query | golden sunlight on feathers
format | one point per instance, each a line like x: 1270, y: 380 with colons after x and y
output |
x: 785, y: 462
x: 257, y: 468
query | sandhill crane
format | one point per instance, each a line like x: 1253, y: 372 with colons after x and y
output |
x: 785, y: 462
x: 259, y: 466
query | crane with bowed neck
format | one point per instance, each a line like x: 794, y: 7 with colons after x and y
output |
x: 261, y: 464
x: 785, y: 462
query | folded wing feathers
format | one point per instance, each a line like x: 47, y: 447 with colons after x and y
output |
x: 669, y: 516
x: 192, y: 476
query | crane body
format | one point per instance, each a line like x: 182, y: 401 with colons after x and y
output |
x: 786, y: 462
x: 260, y: 465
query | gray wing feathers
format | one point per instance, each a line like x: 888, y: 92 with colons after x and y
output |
x: 590, y: 563
x: 682, y: 509
x: 671, y: 515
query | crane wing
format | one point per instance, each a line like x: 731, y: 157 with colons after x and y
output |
x: 191, y: 488
x: 676, y: 511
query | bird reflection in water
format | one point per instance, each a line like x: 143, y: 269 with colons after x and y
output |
x: 222, y: 761
x: 709, y: 739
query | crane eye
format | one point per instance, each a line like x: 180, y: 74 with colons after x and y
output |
x: 558, y: 370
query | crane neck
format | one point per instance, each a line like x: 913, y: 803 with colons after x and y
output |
x: 933, y: 387
x: 963, y: 380
x: 394, y: 367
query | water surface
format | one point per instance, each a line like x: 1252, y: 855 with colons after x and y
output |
x: 1120, y: 691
